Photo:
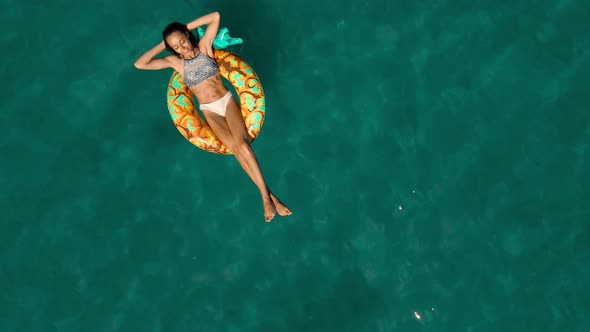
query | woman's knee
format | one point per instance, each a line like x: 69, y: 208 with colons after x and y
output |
x: 242, y: 146
x: 236, y: 147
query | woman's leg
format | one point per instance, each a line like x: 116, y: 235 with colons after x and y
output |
x: 235, y: 121
x: 240, y: 148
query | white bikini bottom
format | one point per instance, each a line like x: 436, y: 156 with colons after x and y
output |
x: 217, y: 106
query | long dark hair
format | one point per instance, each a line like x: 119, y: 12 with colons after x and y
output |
x: 178, y: 27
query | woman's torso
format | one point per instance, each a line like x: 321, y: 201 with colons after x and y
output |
x: 206, y: 90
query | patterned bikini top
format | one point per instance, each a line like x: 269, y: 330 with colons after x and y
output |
x: 198, y: 69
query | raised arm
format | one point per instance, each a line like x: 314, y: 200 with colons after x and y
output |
x: 147, y: 61
x: 212, y: 22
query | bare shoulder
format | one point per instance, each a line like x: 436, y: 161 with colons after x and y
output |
x: 175, y: 62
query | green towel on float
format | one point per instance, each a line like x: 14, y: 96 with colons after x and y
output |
x: 222, y: 40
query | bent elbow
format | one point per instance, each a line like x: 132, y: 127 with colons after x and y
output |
x: 138, y: 65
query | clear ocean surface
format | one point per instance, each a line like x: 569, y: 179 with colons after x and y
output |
x: 435, y: 155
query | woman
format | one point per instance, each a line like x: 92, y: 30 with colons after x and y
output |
x: 194, y: 59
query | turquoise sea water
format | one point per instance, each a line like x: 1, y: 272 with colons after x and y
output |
x: 435, y: 155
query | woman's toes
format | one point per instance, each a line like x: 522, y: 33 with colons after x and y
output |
x: 269, y: 211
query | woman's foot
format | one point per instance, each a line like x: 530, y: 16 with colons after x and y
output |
x: 269, y: 210
x: 281, y: 208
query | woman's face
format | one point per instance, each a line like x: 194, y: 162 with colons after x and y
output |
x: 179, y: 43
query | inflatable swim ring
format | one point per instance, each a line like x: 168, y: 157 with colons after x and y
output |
x: 194, y: 128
